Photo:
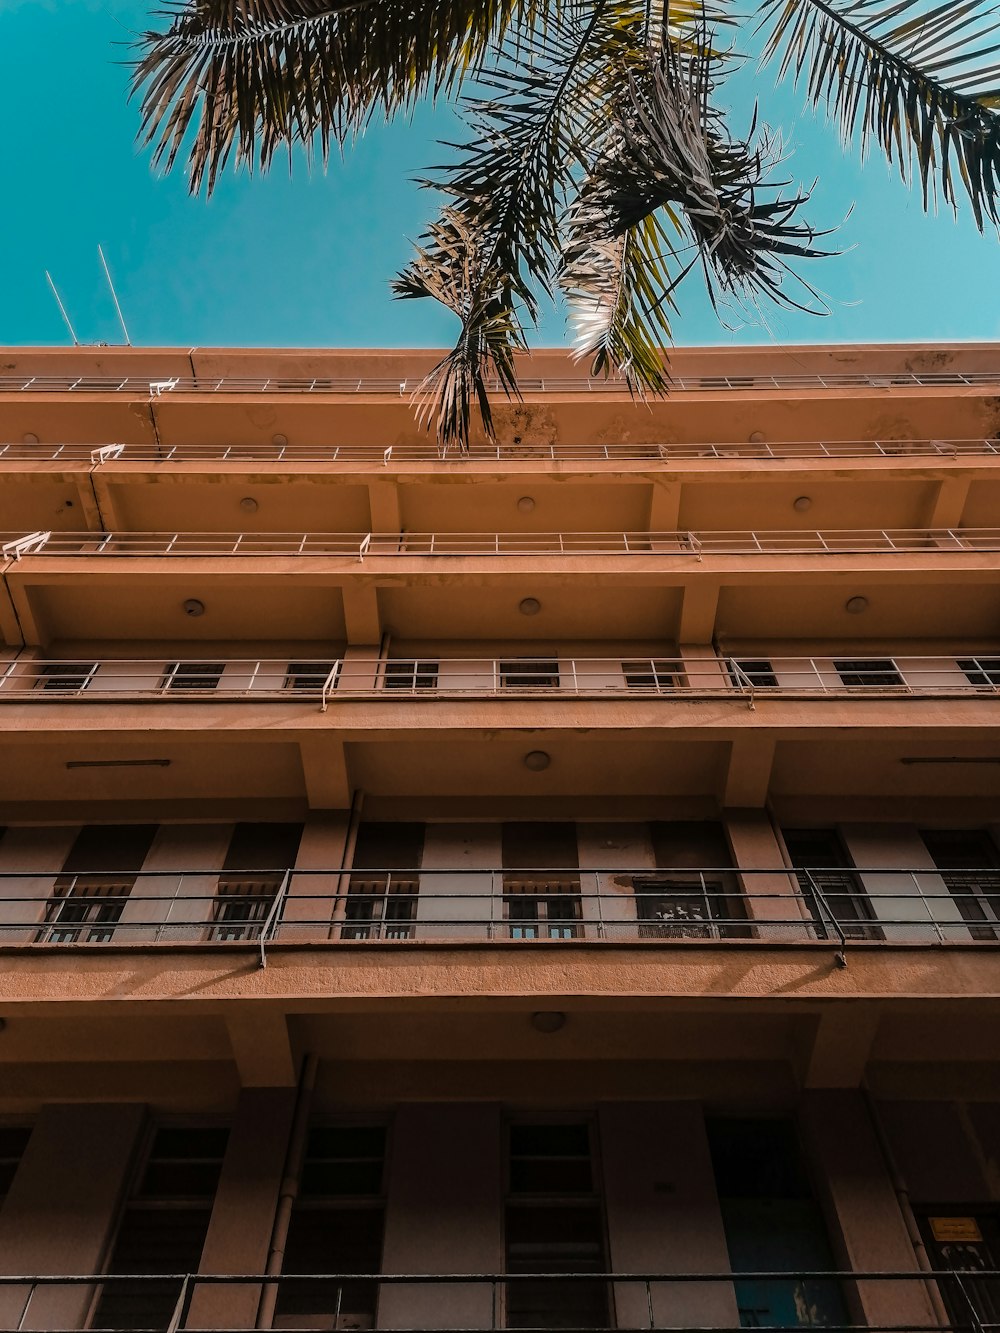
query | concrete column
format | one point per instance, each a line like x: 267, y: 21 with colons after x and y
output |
x: 774, y: 898
x: 63, y: 1206
x: 30, y: 860
x: 461, y: 903
x: 609, y: 899
x: 239, y: 1234
x: 444, y: 1214
x: 170, y: 903
x: 312, y: 898
x: 898, y: 900
x: 663, y: 1214
x: 864, y: 1214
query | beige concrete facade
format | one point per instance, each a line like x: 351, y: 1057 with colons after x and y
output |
x: 578, y: 857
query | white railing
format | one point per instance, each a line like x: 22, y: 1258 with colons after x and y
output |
x: 376, y: 545
x: 776, y: 450
x: 146, y: 386
x: 26, y: 679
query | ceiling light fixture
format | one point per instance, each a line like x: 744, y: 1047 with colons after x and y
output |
x: 249, y: 505
x: 529, y: 606
x: 279, y: 440
x: 548, y: 1020
x: 29, y: 438
x: 118, y: 763
x: 193, y: 607
x: 953, y: 759
x: 537, y: 760
x: 526, y: 504
x: 855, y: 605
x: 802, y: 503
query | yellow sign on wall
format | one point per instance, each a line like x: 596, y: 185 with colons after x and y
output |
x: 955, y: 1228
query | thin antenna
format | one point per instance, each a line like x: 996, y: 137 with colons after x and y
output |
x: 62, y: 309
x: 114, y: 297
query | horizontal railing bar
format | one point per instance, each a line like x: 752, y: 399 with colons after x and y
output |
x: 429, y: 1279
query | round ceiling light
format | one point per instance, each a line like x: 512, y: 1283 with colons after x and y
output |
x: 279, y: 440
x: 548, y: 1020
x: 756, y: 437
x: 529, y: 606
x: 249, y: 505
x: 537, y: 760
x: 855, y: 605
x: 526, y: 504
x: 801, y: 504
x: 192, y: 607
x: 29, y: 438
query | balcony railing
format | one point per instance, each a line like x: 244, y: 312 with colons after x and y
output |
x: 144, y: 386
x: 374, y: 545
x: 711, y: 906
x: 741, y: 680
x: 948, y: 1300
x: 17, y: 451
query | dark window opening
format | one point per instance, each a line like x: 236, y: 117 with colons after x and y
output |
x: 537, y: 903
x: 868, y: 672
x: 310, y: 677
x: 90, y: 895
x: 68, y: 677
x: 422, y: 675
x: 688, y: 908
x: 655, y: 674
x: 757, y: 671
x: 13, y: 1142
x: 772, y: 1225
x: 256, y: 865
x: 382, y: 904
x: 982, y: 671
x: 832, y: 891
x: 966, y: 1240
x: 554, y: 1223
x: 527, y: 673
x: 192, y: 675
x: 970, y: 868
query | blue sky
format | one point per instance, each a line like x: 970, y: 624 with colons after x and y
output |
x: 307, y: 261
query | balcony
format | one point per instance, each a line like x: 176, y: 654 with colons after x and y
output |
x: 740, y: 680
x: 374, y: 545
x: 953, y: 1300
x: 423, y: 452
x: 829, y: 909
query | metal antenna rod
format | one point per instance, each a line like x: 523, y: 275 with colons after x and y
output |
x: 114, y: 297
x: 62, y: 309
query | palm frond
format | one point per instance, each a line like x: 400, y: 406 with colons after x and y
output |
x: 240, y: 79
x: 920, y: 78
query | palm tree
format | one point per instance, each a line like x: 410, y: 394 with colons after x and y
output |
x: 597, y: 163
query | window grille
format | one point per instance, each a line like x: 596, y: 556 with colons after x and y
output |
x: 380, y: 907
x: 687, y: 908
x: 526, y: 673
x: 542, y: 908
x: 829, y: 886
x: 308, y: 676
x: 411, y: 675
x: 868, y: 672
x: 192, y: 675
x: 84, y: 909
x: 654, y: 674
x: 67, y: 677
x: 241, y: 907
x: 982, y: 671
x: 968, y: 865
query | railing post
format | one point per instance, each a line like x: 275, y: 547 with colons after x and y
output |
x: 181, y: 1308
x: 824, y: 907
x: 272, y: 916
x: 746, y: 684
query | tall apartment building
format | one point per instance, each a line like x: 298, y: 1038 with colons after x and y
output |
x: 557, y: 887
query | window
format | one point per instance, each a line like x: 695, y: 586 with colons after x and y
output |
x: 89, y: 896
x: 336, y: 1227
x: 688, y: 908
x: 654, y: 674
x: 829, y: 887
x: 192, y: 675
x: 13, y: 1142
x: 422, y: 675
x: 258, y: 859
x: 66, y: 677
x: 554, y: 1223
x: 541, y: 886
x: 772, y: 1225
x: 868, y: 672
x: 163, y: 1227
x: 758, y: 671
x: 982, y: 671
x: 970, y: 867
x: 382, y: 892
x: 526, y: 673
x: 309, y: 676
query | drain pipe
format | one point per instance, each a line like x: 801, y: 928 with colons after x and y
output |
x: 294, y: 1159
x: 905, y: 1207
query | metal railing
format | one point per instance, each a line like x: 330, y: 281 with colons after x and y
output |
x: 711, y: 906
x: 26, y: 679
x: 427, y: 451
x: 145, y: 386
x: 372, y: 545
x: 949, y: 1300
